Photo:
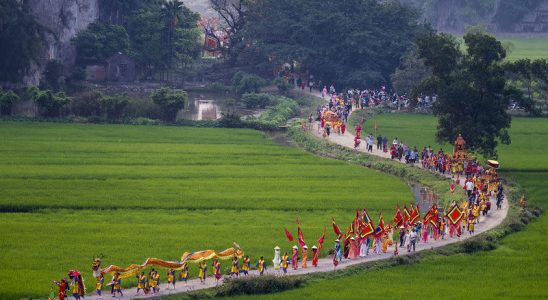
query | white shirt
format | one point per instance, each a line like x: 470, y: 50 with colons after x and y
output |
x: 469, y: 185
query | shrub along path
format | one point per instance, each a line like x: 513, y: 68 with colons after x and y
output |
x: 493, y: 219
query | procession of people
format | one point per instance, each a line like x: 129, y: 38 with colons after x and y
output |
x: 406, y: 230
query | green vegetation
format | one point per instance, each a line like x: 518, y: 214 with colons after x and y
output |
x: 72, y: 191
x: 337, y: 43
x: 160, y: 35
x: 473, y: 91
x: 7, y: 98
x: 243, y: 82
x: 169, y: 102
x: 98, y: 42
x: 526, y: 47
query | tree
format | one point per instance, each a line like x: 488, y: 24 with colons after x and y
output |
x: 180, y: 33
x: 233, y: 13
x: 531, y: 75
x: 113, y: 107
x: 7, y: 98
x: 49, y: 103
x: 52, y: 76
x: 247, y: 83
x: 473, y: 94
x: 21, y: 38
x: 355, y: 44
x: 411, y: 72
x: 99, y: 41
x: 169, y: 102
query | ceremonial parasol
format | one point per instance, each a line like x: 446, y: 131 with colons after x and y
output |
x: 493, y: 163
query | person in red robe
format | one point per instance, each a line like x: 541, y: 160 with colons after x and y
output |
x: 314, y: 256
x: 63, y: 286
x: 358, y: 131
x: 295, y: 257
x: 343, y: 128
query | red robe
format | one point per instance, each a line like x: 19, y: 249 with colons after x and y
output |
x: 315, y: 257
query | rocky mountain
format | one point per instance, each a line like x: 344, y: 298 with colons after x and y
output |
x: 62, y: 19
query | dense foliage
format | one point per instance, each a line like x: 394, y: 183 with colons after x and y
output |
x: 20, y: 38
x: 169, y: 102
x: 246, y: 83
x: 99, y: 41
x: 159, y: 35
x: 351, y: 43
x: 50, y: 104
x: 472, y: 91
x: 7, y: 98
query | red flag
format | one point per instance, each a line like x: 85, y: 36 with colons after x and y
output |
x: 398, y: 218
x: 415, y: 215
x: 454, y: 214
x: 367, y: 226
x: 288, y: 235
x: 336, y: 229
x: 406, y: 214
x: 300, y: 234
x: 321, y: 240
x: 379, y: 231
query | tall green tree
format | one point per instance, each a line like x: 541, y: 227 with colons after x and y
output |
x: 99, y: 41
x: 21, y: 39
x: 472, y: 89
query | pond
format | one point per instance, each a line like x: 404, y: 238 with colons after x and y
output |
x: 210, y: 106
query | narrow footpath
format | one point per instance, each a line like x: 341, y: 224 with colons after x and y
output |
x: 493, y: 219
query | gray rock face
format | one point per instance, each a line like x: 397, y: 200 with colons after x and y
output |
x: 63, y: 19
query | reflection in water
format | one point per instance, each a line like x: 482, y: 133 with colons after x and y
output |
x: 201, y: 109
x: 424, y: 197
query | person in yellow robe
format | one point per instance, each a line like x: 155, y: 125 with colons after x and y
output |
x: 285, y: 260
x: 261, y: 266
x: 141, y: 282
x: 183, y: 276
x: 305, y: 256
x: 246, y: 265
x: 100, y: 280
x: 152, y: 281
x: 234, y: 270
x: 171, y: 278
x: 117, y: 285
x: 202, y: 274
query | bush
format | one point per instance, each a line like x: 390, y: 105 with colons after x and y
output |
x: 113, y: 107
x: 169, y: 102
x: 258, y: 100
x: 87, y: 104
x: 7, y: 99
x: 283, y: 85
x: 49, y: 103
x: 281, y: 113
x: 217, y: 87
x: 142, y: 121
x: 247, y: 83
x: 259, y: 285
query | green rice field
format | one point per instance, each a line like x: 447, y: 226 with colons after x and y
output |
x: 73, y: 191
x: 515, y: 270
x: 523, y: 47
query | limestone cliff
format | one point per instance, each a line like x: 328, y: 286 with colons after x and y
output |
x: 63, y: 19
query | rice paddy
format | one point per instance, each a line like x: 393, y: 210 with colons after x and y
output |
x: 74, y: 191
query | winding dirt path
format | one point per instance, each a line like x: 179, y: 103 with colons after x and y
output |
x: 493, y: 219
